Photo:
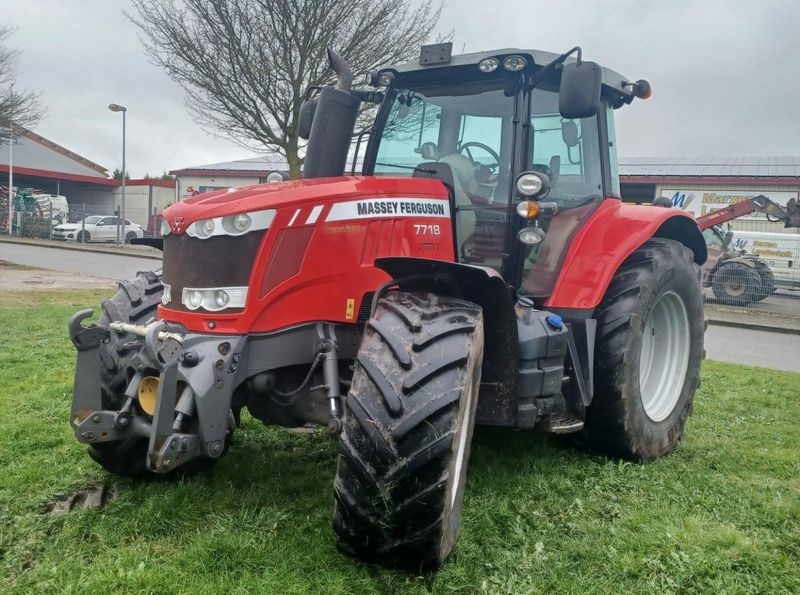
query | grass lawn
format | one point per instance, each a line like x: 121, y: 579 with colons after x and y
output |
x: 721, y: 514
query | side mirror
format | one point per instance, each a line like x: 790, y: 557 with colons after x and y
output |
x: 307, y: 111
x: 100, y: 223
x: 581, y: 84
x: 728, y: 238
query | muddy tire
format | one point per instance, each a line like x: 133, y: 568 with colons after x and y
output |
x: 405, y: 446
x: 736, y: 284
x: 135, y: 302
x: 648, y: 353
x: 767, y: 286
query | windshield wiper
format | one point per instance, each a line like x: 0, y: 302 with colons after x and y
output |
x: 412, y: 168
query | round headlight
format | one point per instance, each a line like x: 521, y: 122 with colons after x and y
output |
x: 488, y: 65
x: 241, y: 222
x: 274, y: 176
x: 195, y: 299
x: 385, y: 79
x: 529, y: 184
x: 515, y: 63
x: 530, y: 236
x: 204, y: 227
x: 222, y: 298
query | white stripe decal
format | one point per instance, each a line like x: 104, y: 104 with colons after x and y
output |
x: 312, y: 218
x: 373, y: 208
x: 291, y: 221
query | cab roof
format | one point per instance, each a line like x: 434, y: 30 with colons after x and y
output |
x: 612, y: 80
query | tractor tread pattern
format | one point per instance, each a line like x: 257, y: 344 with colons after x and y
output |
x: 392, y: 474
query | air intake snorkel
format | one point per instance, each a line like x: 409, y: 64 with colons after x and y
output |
x: 333, y: 120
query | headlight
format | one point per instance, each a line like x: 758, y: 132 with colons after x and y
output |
x: 204, y: 228
x: 274, y: 176
x: 165, y: 229
x: 214, y: 299
x: 488, y: 65
x: 530, y: 236
x: 166, y: 297
x: 515, y: 63
x: 231, y: 225
x: 533, y: 185
x: 529, y: 184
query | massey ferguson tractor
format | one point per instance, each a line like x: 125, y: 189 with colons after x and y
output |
x: 483, y: 269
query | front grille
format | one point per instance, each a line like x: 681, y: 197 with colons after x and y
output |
x: 219, y: 261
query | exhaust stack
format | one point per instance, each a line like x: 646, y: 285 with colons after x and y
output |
x: 333, y: 124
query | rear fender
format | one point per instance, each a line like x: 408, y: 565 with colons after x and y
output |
x: 611, y: 234
x: 485, y: 287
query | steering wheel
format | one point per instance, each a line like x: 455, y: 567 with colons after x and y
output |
x: 485, y: 174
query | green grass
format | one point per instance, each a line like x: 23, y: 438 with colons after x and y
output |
x: 722, y: 514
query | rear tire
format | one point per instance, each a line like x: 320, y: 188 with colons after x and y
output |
x: 736, y: 284
x: 405, y: 446
x: 648, y: 353
x: 130, y: 236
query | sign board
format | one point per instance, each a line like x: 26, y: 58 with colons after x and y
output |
x: 700, y: 202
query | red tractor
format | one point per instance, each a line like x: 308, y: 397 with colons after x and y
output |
x: 483, y: 269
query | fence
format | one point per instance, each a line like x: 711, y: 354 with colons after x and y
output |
x: 38, y: 216
x: 756, y: 271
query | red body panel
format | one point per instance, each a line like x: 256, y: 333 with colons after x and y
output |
x: 328, y: 279
x: 610, y: 235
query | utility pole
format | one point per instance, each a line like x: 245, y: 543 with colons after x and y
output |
x: 119, y: 108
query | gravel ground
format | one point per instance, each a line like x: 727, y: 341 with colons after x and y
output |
x: 15, y: 277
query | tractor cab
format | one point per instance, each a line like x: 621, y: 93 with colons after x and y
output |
x: 523, y: 140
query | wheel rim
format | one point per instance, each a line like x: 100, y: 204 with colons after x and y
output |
x: 462, y: 445
x: 735, y: 287
x: 664, y: 357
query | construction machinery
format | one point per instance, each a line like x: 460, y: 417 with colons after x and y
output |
x: 735, y: 277
x: 482, y: 269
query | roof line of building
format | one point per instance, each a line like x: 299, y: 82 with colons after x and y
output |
x: 221, y: 172
x: 731, y: 180
x: 21, y: 130
x: 57, y: 175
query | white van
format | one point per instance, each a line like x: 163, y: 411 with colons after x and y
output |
x: 781, y: 252
x: 52, y: 204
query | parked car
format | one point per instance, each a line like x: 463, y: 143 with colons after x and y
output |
x: 97, y: 228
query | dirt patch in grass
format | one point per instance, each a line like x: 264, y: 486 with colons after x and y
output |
x: 16, y: 277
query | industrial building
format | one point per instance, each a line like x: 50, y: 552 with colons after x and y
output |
x: 230, y: 174
x: 48, y: 167
x: 700, y: 184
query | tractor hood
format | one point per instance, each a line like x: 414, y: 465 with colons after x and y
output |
x: 295, y: 193
x: 310, y: 242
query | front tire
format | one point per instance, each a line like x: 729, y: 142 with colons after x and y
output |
x: 767, y: 287
x: 83, y: 237
x: 648, y: 353
x: 405, y: 446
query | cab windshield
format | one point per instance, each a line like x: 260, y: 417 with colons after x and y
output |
x: 473, y: 128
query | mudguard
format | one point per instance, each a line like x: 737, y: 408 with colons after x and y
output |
x: 610, y: 235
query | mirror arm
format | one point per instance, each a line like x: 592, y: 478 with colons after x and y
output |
x: 548, y: 68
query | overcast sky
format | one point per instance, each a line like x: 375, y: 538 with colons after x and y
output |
x: 724, y: 72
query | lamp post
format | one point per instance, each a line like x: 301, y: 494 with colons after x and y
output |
x: 10, y: 173
x: 118, y: 108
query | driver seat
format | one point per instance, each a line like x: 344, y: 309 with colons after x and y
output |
x: 464, y: 185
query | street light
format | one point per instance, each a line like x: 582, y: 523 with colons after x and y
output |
x: 118, y: 108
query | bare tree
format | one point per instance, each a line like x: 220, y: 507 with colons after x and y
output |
x: 24, y: 109
x: 245, y: 64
